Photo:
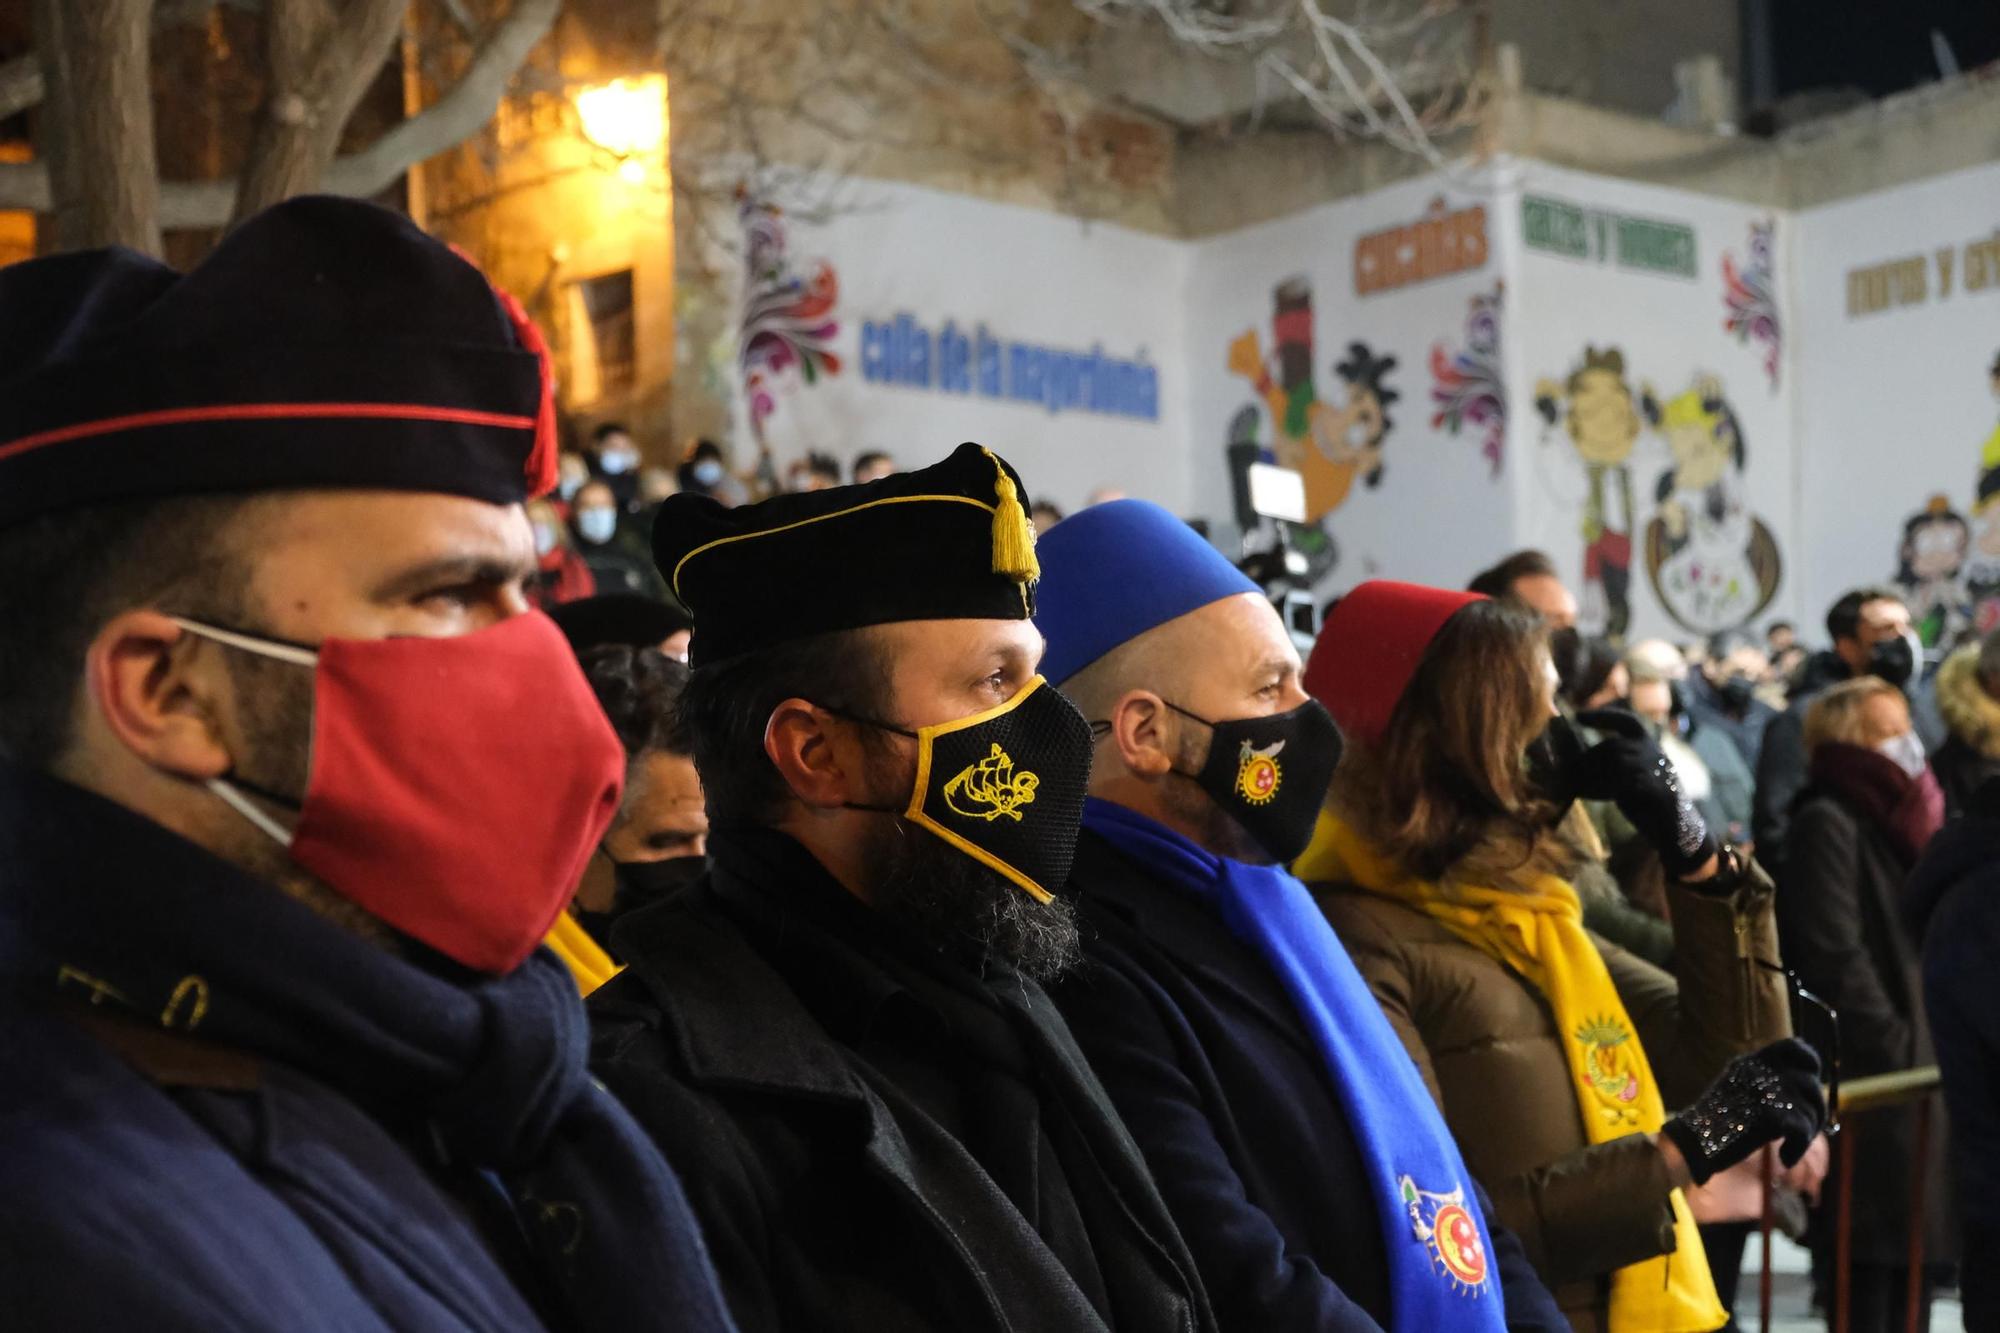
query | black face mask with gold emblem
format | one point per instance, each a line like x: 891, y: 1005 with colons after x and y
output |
x: 1271, y: 773
x: 1005, y: 786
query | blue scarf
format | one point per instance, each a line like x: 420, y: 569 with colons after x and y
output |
x: 1440, y: 1257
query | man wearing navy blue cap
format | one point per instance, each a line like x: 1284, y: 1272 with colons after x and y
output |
x: 839, y: 1034
x: 292, y: 783
x: 1292, y: 1136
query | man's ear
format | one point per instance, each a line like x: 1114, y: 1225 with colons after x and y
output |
x: 818, y: 761
x: 1144, y: 730
x: 160, y: 692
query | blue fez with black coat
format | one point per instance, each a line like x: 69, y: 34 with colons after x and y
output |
x: 324, y: 343
x: 1115, y: 570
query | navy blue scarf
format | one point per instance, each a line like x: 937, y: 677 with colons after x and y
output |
x: 1440, y: 1265
x: 103, y: 903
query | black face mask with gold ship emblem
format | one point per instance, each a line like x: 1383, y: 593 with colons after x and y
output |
x: 1005, y: 786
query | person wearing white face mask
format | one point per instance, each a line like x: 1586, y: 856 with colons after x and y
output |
x: 614, y: 460
x: 1870, y: 630
x: 705, y: 473
x: 560, y: 573
x: 1871, y: 807
x: 614, y: 563
x: 572, y: 471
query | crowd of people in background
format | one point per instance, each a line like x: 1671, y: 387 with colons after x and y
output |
x: 1022, y: 937
x: 1872, y: 747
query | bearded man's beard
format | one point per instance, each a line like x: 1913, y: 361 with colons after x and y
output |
x: 960, y: 906
x: 964, y: 909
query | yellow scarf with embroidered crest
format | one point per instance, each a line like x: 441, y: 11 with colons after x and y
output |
x: 1535, y: 926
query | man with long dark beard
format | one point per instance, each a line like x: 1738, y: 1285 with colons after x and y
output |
x: 840, y: 1035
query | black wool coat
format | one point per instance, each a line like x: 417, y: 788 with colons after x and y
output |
x: 788, y: 1078
x: 1956, y: 890
x: 1202, y: 1051
x: 1844, y: 924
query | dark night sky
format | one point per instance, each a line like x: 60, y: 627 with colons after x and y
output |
x: 1879, y: 46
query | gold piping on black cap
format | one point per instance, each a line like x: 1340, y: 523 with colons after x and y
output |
x: 950, y: 541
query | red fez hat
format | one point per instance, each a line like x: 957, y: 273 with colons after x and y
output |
x: 1369, y: 648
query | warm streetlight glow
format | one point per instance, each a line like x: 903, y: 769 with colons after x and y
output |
x: 627, y: 117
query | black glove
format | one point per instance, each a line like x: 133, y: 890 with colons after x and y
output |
x: 1629, y: 770
x: 1774, y: 1094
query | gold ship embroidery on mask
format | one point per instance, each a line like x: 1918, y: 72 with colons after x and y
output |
x: 991, y: 788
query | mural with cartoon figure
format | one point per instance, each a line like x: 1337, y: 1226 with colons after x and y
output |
x: 1600, y: 413
x: 1328, y: 443
x: 1982, y: 566
x: 1713, y: 564
x: 1930, y: 568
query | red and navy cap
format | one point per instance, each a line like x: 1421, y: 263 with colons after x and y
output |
x: 325, y: 343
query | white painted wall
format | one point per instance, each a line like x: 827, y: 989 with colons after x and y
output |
x: 1894, y: 406
x: 1671, y: 330
x: 1439, y: 508
x: 1027, y: 276
x: 1868, y: 418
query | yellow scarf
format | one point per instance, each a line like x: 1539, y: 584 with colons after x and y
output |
x: 587, y: 962
x: 1535, y: 926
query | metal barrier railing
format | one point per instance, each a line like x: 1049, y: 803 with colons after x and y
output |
x: 1857, y: 1098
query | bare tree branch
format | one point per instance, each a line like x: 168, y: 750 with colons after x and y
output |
x: 468, y: 105
x: 320, y: 57
x: 21, y: 84
x: 458, y: 114
x: 99, y: 148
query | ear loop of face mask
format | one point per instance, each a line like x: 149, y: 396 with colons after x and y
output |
x: 878, y: 725
x: 1099, y: 730
x: 229, y: 788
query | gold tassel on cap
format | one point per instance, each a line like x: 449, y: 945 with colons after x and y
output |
x: 1013, y: 534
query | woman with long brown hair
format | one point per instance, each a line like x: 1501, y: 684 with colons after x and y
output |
x: 1555, y: 1055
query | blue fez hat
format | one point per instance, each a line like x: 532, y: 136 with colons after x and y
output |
x: 1114, y: 571
x: 324, y: 343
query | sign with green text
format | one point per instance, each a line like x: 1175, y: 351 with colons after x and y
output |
x: 1595, y: 235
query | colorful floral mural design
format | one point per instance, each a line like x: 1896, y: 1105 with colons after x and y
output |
x: 788, y: 322
x: 1750, y: 293
x: 1467, y: 388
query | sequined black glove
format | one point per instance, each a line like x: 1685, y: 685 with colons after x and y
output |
x: 1628, y: 769
x: 1772, y: 1095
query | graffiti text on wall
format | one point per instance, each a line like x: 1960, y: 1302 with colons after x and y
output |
x: 1437, y: 244
x: 1907, y: 281
x: 902, y: 352
x: 1575, y: 232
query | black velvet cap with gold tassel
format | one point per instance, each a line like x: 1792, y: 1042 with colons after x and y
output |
x: 947, y: 542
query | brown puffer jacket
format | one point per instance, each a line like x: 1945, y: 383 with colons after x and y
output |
x: 1487, y: 1045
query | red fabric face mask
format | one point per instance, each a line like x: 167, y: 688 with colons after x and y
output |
x: 457, y: 785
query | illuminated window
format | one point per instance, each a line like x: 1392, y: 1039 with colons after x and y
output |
x: 603, y: 352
